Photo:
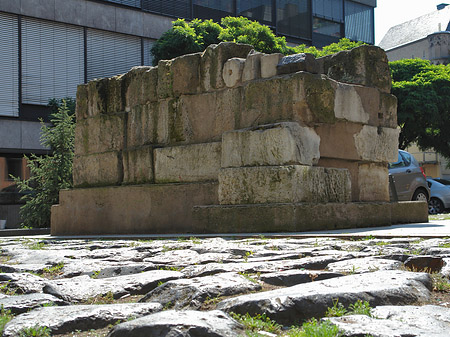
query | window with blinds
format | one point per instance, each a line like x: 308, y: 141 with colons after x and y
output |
x: 147, y: 46
x: 110, y: 54
x: 359, y: 22
x: 9, y: 65
x: 52, y: 60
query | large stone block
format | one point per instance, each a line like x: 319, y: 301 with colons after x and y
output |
x: 138, y: 165
x: 186, y: 78
x: 136, y: 209
x: 252, y: 67
x: 348, y: 104
x: 365, y: 65
x: 213, y: 60
x: 97, y: 100
x: 337, y: 140
x: 377, y: 144
x: 188, y: 163
x: 143, y: 125
x: 300, y: 97
x: 164, y: 87
x: 100, y: 169
x: 100, y: 134
x: 268, y: 145
x: 105, y: 96
x: 269, y: 64
x: 281, y: 184
x: 140, y: 86
x: 373, y: 182
x: 298, y: 62
x: 203, y: 118
x: 81, y: 108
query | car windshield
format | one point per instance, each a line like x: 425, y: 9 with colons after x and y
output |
x: 443, y: 181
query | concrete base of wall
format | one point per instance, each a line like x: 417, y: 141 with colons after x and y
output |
x: 173, y: 208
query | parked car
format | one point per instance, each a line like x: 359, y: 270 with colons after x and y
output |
x: 442, y: 181
x: 409, y: 180
x: 439, y: 196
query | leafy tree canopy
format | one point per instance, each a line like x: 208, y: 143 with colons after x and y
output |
x: 423, y: 92
x: 191, y: 37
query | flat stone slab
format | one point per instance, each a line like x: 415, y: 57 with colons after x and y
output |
x: 21, y: 303
x: 181, y: 323
x: 392, y: 321
x: 290, y: 305
x: 78, y: 317
x: 23, y: 283
x: 82, y: 288
x: 194, y: 292
x: 293, y: 277
x: 364, y: 265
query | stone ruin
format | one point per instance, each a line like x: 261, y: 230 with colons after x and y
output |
x: 232, y: 140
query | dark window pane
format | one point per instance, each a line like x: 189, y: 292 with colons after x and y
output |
x: 260, y: 10
x: 177, y: 8
x: 294, y: 17
x: 359, y: 24
x: 213, y: 9
x: 13, y: 168
x: 329, y: 9
x: 133, y: 3
x: 326, y: 27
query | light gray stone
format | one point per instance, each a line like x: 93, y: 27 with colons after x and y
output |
x: 22, y: 303
x: 377, y: 144
x: 232, y: 71
x: 363, y: 265
x: 348, y: 105
x: 302, y: 302
x: 393, y: 321
x: 181, y: 323
x: 269, y: 64
x: 78, y: 317
x: 82, y: 288
x: 23, y: 283
x: 298, y: 62
x: 252, y: 67
x: 194, y: 292
x: 283, y: 184
x: 273, y: 144
x: 187, y: 163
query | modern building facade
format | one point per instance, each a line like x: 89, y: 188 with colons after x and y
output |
x: 47, y: 47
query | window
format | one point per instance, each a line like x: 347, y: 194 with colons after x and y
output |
x: 213, y: 9
x: 294, y: 18
x: 14, y: 168
x: 9, y: 65
x: 359, y: 22
x: 329, y: 9
x: 326, y: 27
x: 260, y: 10
x: 132, y: 3
x: 110, y: 54
x: 148, y: 58
x: 176, y: 8
x: 52, y: 60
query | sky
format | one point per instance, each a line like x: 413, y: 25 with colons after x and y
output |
x: 390, y: 13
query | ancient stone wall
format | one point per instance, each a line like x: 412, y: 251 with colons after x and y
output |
x: 249, y: 128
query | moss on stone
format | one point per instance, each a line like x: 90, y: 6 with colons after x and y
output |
x: 320, y: 96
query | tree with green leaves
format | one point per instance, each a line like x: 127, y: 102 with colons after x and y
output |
x: 423, y: 93
x: 50, y: 173
x: 191, y: 37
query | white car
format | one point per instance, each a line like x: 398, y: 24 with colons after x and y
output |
x: 439, y: 196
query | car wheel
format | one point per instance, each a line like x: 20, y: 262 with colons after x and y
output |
x: 420, y: 195
x: 435, y: 206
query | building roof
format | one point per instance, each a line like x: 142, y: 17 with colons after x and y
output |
x: 417, y: 29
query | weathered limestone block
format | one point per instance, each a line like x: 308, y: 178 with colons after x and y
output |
x: 138, y: 165
x: 369, y: 180
x: 203, y: 118
x: 82, y: 106
x: 232, y: 71
x: 164, y: 88
x: 348, y: 105
x: 298, y: 62
x: 104, y: 96
x: 337, y: 140
x: 366, y: 65
x: 186, y: 74
x: 269, y: 64
x: 115, y: 95
x: 268, y: 145
x: 100, y: 134
x: 188, y: 163
x: 373, y: 182
x: 252, y: 67
x: 98, y: 169
x: 213, y: 60
x: 388, y: 107
x: 96, y: 91
x: 140, y: 86
x: 299, y: 97
x: 282, y: 184
x: 377, y: 144
x: 147, y: 124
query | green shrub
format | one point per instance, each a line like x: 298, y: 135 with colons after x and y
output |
x: 50, y: 173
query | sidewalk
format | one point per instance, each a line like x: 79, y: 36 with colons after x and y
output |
x: 432, y: 229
